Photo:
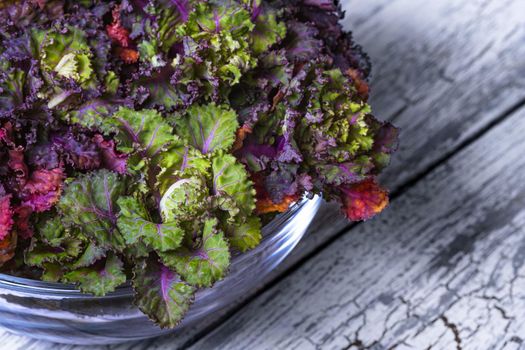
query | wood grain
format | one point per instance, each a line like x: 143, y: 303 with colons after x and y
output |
x: 444, y: 268
x: 443, y: 71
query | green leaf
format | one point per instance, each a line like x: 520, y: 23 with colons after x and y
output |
x: 143, y: 131
x: 161, y: 24
x: 67, y: 54
x: 267, y: 32
x: 52, y: 231
x: 217, y: 51
x: 52, y: 272
x: 344, y: 121
x: 184, y: 200
x: 12, y: 88
x: 208, y: 127
x: 135, y: 225
x: 136, y: 251
x: 205, y: 265
x: 168, y: 19
x: 160, y: 293
x: 89, y: 256
x: 91, y: 114
x: 90, y: 201
x: 39, y: 253
x: 98, y: 280
x: 212, y: 21
x: 111, y: 81
x: 176, y: 160
x: 231, y: 180
x: 149, y: 52
x: 67, y: 66
x: 245, y: 236
x: 160, y: 94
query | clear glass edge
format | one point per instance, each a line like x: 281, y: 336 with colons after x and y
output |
x: 28, y: 285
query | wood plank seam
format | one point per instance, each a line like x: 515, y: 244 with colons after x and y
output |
x: 462, y: 145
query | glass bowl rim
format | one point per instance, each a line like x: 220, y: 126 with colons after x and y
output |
x: 28, y: 285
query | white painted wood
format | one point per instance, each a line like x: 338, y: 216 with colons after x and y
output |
x: 443, y: 70
x: 444, y: 268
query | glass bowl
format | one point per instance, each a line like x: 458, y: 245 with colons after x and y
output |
x: 60, y: 313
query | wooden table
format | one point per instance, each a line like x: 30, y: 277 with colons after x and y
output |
x: 444, y: 266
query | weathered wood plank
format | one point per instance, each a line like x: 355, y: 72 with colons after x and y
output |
x: 444, y: 268
x: 441, y: 69
x: 453, y: 67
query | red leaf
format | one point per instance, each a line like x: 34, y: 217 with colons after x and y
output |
x: 6, y: 216
x: 6, y: 134
x: 360, y: 84
x: 264, y: 203
x: 42, y: 190
x: 7, y: 248
x: 119, y: 34
x: 17, y: 164
x: 363, y: 200
x: 240, y: 135
x: 16, y: 154
x: 22, y: 215
x: 116, y: 31
x: 129, y: 56
x: 111, y: 159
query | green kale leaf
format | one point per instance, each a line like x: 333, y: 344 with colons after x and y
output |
x: 208, y: 127
x: 231, y: 182
x: 90, y: 202
x: 184, y: 200
x: 98, y: 279
x: 143, y: 132
x: 207, y: 262
x: 135, y: 225
x: 160, y: 293
x: 245, y: 236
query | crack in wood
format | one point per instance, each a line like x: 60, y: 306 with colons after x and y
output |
x: 454, y: 329
x: 503, y: 313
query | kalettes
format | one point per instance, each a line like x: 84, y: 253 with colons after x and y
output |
x: 147, y: 140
